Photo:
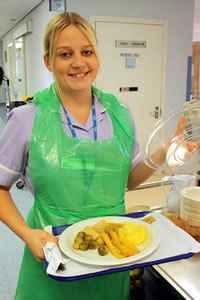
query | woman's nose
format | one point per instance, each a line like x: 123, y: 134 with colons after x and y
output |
x: 78, y: 61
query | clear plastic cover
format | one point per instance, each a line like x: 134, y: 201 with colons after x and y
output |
x: 183, y: 154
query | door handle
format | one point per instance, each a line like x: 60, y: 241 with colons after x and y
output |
x: 156, y: 113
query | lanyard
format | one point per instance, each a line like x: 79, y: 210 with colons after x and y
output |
x: 93, y: 118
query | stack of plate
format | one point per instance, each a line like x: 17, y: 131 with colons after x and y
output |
x: 190, y: 205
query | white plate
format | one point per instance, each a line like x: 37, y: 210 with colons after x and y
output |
x: 92, y: 257
x: 190, y: 221
x: 190, y: 208
x: 191, y: 195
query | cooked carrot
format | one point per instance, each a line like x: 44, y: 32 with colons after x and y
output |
x: 126, y: 242
x: 116, y: 224
x: 122, y: 248
x: 111, y: 247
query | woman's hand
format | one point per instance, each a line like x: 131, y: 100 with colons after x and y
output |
x: 188, y: 144
x: 143, y: 171
x: 36, y: 240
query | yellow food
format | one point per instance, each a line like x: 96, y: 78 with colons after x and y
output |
x: 100, y: 241
x: 100, y: 226
x: 120, y: 238
x: 130, y: 245
x: 117, y: 243
x: 135, y: 233
x: 78, y: 239
x: 115, y: 224
x: 149, y: 219
x: 76, y: 246
x: 111, y: 247
x: 88, y: 237
x: 90, y: 230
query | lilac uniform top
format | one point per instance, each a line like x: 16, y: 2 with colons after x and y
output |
x: 15, y: 140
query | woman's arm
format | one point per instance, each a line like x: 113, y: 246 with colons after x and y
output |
x: 142, y: 171
x: 10, y: 215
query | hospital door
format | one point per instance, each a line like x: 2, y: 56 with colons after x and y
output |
x: 132, y: 66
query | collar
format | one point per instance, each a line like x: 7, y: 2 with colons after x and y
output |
x: 100, y: 113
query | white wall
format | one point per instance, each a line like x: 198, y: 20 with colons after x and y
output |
x: 38, y: 77
x: 196, y: 37
x: 196, y: 28
x: 196, y: 33
x: 179, y: 14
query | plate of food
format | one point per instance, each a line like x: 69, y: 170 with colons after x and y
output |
x: 109, y: 241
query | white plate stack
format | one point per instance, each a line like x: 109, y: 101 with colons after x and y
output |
x: 190, y: 205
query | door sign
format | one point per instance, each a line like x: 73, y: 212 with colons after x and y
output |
x: 130, y: 62
x: 130, y: 44
x: 124, y: 54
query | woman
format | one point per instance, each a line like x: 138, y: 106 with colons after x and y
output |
x: 78, y: 151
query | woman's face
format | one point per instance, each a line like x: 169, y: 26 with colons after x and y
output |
x: 75, y: 66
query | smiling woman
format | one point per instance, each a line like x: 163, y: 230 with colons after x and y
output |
x: 78, y: 151
x: 75, y: 64
x: 57, y: 24
x: 73, y: 59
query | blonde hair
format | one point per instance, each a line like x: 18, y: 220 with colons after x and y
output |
x: 57, y: 24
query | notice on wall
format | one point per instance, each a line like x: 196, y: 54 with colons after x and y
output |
x: 129, y: 54
x: 130, y: 44
x: 130, y: 62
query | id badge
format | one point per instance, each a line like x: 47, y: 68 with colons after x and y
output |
x: 77, y: 163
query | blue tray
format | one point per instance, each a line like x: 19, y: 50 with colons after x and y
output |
x: 58, y: 230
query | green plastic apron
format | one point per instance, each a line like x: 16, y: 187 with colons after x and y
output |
x: 75, y: 179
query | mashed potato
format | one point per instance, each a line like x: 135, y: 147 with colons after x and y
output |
x: 135, y: 233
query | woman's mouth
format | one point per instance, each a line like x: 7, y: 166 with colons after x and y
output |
x: 79, y: 75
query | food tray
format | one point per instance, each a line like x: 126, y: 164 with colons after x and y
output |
x: 175, y: 244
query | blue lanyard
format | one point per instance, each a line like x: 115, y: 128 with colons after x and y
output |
x: 93, y: 118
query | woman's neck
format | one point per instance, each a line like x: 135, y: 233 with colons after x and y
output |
x: 76, y: 98
x: 78, y: 104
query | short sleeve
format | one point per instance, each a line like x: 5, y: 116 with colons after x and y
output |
x: 14, y: 145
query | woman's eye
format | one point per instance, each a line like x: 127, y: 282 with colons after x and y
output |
x: 87, y: 52
x: 65, y: 54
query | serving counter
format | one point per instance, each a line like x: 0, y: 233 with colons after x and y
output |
x: 182, y: 275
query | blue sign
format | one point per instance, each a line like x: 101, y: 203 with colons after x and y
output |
x: 130, y: 62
